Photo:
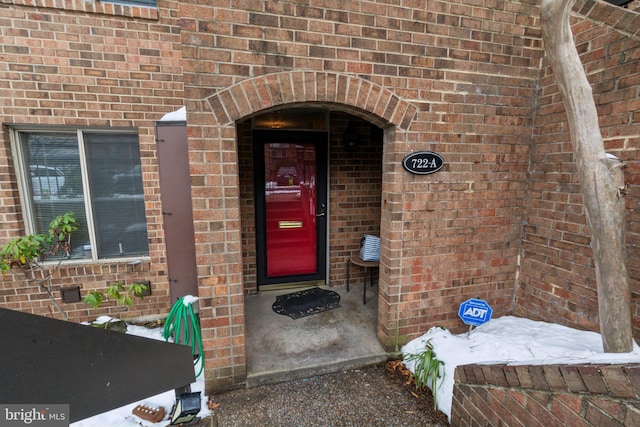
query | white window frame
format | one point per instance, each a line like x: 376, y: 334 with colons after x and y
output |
x: 25, y: 196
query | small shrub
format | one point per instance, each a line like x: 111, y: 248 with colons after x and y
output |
x: 122, y: 295
x: 427, y: 369
x: 30, y: 252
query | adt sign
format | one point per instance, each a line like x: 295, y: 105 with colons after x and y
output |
x: 475, y: 312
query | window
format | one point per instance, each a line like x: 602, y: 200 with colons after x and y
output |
x: 147, y: 3
x: 96, y: 175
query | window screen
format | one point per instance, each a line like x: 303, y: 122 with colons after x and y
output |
x: 95, y: 175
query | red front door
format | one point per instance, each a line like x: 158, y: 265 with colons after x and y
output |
x: 291, y: 205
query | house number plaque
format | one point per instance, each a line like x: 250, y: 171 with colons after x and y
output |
x: 423, y: 162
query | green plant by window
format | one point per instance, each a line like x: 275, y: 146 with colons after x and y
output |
x: 31, y: 251
x: 427, y: 369
x: 119, y: 293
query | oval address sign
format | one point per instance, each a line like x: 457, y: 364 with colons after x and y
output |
x: 423, y: 162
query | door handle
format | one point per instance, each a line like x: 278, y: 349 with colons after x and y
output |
x: 320, y: 214
x: 322, y: 209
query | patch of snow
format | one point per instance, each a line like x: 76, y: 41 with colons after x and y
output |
x: 187, y: 300
x: 104, y: 319
x: 513, y: 341
x: 180, y: 115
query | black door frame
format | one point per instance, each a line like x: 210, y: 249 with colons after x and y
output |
x: 320, y: 140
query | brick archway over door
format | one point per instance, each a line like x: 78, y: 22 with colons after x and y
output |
x: 260, y: 93
x: 214, y: 132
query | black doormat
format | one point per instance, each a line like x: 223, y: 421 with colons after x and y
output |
x: 307, y: 302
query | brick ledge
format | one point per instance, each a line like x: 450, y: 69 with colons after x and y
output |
x: 587, y: 394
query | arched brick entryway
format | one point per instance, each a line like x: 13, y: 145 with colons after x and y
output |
x: 357, y: 95
x: 214, y: 164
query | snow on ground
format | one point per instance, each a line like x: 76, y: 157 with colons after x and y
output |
x: 508, y: 339
x: 123, y: 417
x: 514, y: 341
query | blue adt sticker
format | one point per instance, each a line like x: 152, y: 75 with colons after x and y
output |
x: 475, y: 312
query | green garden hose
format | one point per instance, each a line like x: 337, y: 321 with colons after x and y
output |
x: 183, y: 324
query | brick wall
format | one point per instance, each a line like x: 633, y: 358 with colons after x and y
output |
x: 87, y: 64
x: 454, y: 78
x: 247, y: 207
x: 355, y: 191
x: 557, y: 279
x: 463, y: 80
x: 546, y: 395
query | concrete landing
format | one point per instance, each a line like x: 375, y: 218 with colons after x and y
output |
x: 282, y: 349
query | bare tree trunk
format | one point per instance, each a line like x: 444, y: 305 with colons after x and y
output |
x: 600, y: 178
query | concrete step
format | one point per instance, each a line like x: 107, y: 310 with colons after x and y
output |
x: 262, y: 378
